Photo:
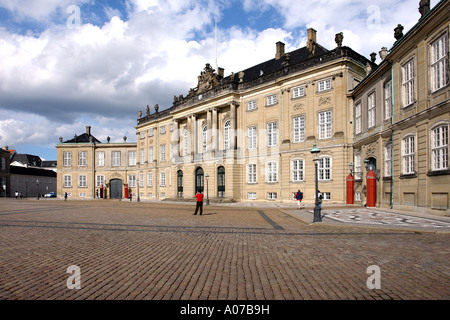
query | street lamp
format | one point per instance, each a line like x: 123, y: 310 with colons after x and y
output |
x: 37, y: 183
x: 317, y: 209
x: 138, y: 199
x: 351, y: 166
x: 207, y: 191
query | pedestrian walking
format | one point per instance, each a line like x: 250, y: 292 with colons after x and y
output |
x: 96, y: 193
x: 319, y: 198
x: 16, y: 194
x: 65, y: 196
x: 199, y: 204
x: 299, y: 198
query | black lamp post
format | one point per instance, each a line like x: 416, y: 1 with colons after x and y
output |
x: 37, y: 183
x: 138, y: 199
x: 317, y: 209
x: 207, y: 191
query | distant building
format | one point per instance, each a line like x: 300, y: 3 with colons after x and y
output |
x: 5, y: 174
x: 402, y: 118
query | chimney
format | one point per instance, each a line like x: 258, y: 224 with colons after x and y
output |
x: 88, y: 130
x: 311, y: 42
x: 280, y: 50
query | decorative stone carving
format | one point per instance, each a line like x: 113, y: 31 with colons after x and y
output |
x: 324, y: 100
x: 140, y: 114
x: 207, y: 79
x: 241, y: 76
x: 148, y: 110
x: 338, y: 39
x: 298, y: 106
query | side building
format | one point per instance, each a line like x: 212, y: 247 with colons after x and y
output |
x: 402, y: 118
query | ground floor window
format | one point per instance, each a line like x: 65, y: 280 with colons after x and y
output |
x: 271, y: 195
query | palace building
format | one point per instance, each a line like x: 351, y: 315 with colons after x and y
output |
x: 242, y: 137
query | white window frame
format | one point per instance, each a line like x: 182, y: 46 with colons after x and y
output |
x: 162, y: 180
x: 298, y: 129
x: 67, y: 159
x: 325, y: 124
x: 358, y: 167
x: 141, y: 179
x: 132, y: 180
x: 99, y: 180
x: 185, y: 142
x: 272, y: 171
x: 272, y: 134
x: 371, y: 111
x: 408, y: 82
x: 358, y: 119
x: 439, y: 147
x: 298, y: 92
x: 408, y: 154
x: 67, y: 181
x: 251, y: 173
x: 324, y: 168
x: 150, y: 132
x: 82, y: 181
x: 324, y: 85
x: 115, y: 158
x: 227, y: 135
x: 100, y: 158
x: 252, y: 137
x: 298, y: 170
x: 251, y: 195
x: 131, y: 158
x: 271, y: 100
x: 272, y: 196
x: 205, y: 139
x: 162, y: 153
x: 82, y: 158
x: 251, y: 105
x: 162, y: 129
x: 388, y: 100
x: 149, y: 179
x: 438, y: 62
x: 150, y: 155
x: 388, y: 159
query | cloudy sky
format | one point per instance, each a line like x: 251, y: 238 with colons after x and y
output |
x: 65, y: 64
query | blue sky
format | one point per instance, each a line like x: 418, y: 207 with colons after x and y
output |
x: 71, y: 63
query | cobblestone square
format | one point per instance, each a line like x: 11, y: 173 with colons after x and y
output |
x: 160, y: 251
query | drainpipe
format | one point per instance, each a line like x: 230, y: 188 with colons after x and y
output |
x: 281, y: 140
x: 392, y: 138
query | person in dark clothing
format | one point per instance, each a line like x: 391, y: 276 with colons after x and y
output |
x: 199, y: 205
x: 299, y: 198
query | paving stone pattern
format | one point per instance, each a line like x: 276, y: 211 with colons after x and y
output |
x: 128, y: 250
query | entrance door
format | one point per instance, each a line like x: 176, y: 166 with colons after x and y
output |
x: 115, y: 188
x: 180, y: 183
x: 199, y: 180
x: 220, y: 182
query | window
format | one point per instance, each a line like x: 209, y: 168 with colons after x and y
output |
x: 324, y: 85
x: 272, y: 171
x: 439, y: 53
x: 150, y: 155
x: 226, y: 135
x: 67, y: 181
x: 271, y: 100
x: 298, y: 170
x: 82, y: 155
x: 116, y: 158
x: 141, y: 179
x: 149, y: 179
x: 272, y: 134
x: 132, y: 180
x: 408, y: 82
x: 251, y: 134
x: 67, y: 159
x: 162, y: 129
x: 150, y: 132
x: 358, y: 117
x: 205, y: 138
x: 326, y: 195
x: 408, y: 145
x: 163, y: 179
x: 142, y: 134
x: 325, y: 125
x: 251, y: 173
x: 299, y: 129
x: 324, y: 168
x: 185, y: 142
x: 82, y: 181
x: 371, y: 110
x: 298, y: 92
x: 172, y: 127
x: 439, y: 148
x: 100, y: 158
x: 251, y: 105
x: 99, y: 180
x: 3, y: 164
x: 388, y: 100
x: 271, y: 196
x: 358, y: 169
x: 388, y: 160
x: 251, y: 195
x: 142, y: 156
x: 163, y: 153
x: 132, y: 158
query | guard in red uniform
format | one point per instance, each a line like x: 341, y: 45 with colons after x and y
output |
x: 199, y: 205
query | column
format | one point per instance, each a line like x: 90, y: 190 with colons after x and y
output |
x: 233, y: 125
x: 214, y: 136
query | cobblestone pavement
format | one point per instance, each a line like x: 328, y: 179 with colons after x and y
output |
x: 129, y: 250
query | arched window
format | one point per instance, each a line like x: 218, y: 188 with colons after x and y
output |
x: 185, y: 142
x: 226, y: 135
x: 220, y: 182
x: 180, y: 183
x: 199, y: 180
x: 439, y: 147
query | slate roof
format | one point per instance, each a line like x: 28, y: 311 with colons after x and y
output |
x: 28, y: 159
x: 33, y: 172
x: 83, y: 138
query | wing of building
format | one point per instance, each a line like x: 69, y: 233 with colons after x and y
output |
x: 402, y: 118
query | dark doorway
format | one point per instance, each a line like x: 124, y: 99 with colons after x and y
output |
x: 220, y: 182
x: 180, y: 183
x: 115, y: 186
x: 199, y: 186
